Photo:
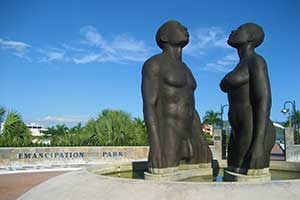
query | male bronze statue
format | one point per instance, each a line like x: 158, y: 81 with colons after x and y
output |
x: 249, y: 96
x: 168, y: 86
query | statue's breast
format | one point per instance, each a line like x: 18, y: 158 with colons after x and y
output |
x: 191, y: 80
x: 175, y: 77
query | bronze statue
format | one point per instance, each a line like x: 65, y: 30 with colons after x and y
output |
x: 168, y: 87
x: 249, y: 96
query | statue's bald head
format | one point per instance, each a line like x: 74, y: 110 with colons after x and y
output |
x: 164, y: 33
x: 256, y: 33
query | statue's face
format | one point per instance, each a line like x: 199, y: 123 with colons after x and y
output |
x: 178, y: 35
x: 238, y: 37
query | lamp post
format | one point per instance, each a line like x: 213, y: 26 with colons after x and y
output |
x: 286, y: 110
x: 223, y: 132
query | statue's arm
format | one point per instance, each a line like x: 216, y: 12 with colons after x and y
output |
x: 260, y: 94
x: 150, y: 81
x: 234, y: 79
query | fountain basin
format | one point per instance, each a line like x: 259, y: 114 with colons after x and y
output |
x: 85, y: 184
x: 138, y: 170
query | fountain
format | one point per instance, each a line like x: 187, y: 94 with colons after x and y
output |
x: 180, y: 164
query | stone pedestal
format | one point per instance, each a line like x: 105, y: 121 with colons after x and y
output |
x: 179, y: 173
x: 292, y: 151
x: 253, y: 175
x: 217, y: 137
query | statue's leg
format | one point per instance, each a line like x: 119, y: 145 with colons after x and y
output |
x: 243, y: 139
x: 231, y: 150
x: 186, y: 150
x: 269, y: 142
x: 172, y: 145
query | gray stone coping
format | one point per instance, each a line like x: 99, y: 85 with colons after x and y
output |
x: 179, y: 175
x: 232, y: 176
x: 78, y: 185
x: 82, y: 184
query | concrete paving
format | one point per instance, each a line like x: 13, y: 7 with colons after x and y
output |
x: 14, y: 185
x: 81, y: 184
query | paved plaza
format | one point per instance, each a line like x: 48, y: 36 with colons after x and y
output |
x: 15, y: 184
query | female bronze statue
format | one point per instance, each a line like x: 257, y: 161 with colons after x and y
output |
x: 249, y: 96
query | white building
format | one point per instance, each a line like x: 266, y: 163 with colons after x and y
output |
x: 37, y: 131
x: 1, y: 127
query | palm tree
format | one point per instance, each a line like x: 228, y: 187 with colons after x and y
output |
x: 296, y: 118
x: 140, y: 132
x: 212, y: 118
x: 2, y: 113
x: 287, y: 123
x: 57, y: 134
x: 293, y: 119
x: 14, y: 131
x: 73, y: 135
x: 115, y: 127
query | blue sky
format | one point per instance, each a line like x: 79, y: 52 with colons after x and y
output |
x: 65, y: 61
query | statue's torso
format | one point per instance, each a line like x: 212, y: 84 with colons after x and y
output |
x: 240, y: 95
x: 176, y: 94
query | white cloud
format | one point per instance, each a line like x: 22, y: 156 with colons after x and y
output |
x: 52, y: 55
x: 222, y: 64
x: 204, y: 39
x: 135, y: 58
x: 72, y: 48
x: 211, y: 37
x: 211, y: 43
x: 122, y: 48
x: 127, y: 43
x: 17, y: 48
x: 94, y: 38
x: 215, y: 67
x: 231, y: 57
x: 86, y: 59
x: 65, y: 119
x: 92, y: 46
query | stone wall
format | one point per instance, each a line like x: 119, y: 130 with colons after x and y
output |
x: 217, y: 148
x: 69, y: 155
x: 292, y: 151
x: 28, y: 156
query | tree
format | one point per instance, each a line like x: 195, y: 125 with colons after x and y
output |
x: 2, y: 113
x: 57, y: 135
x: 212, y: 118
x: 140, y: 132
x: 116, y: 128
x: 110, y: 128
x: 293, y: 119
x: 296, y: 118
x: 77, y: 135
x: 14, y: 131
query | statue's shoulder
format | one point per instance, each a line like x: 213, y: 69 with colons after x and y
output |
x: 258, y: 61
x: 152, y: 65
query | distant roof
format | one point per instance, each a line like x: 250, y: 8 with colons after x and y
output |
x: 278, y: 125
